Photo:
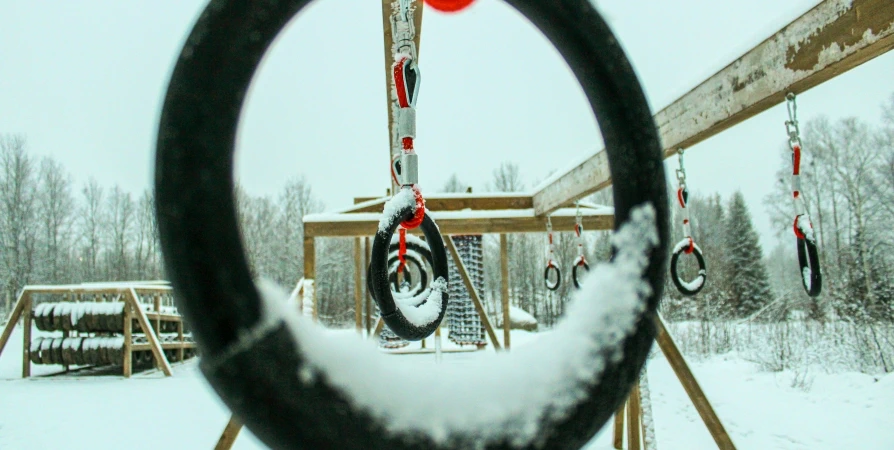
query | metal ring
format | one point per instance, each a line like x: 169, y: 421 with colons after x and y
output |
x: 259, y: 378
x: 808, y: 260
x: 685, y: 287
x: 552, y: 286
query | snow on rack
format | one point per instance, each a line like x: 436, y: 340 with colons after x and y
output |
x: 515, y: 392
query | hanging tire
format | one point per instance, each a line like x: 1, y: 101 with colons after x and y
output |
x: 808, y: 260
x: 688, y: 288
x: 207, y: 265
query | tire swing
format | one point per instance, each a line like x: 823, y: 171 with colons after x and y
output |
x: 687, y: 245
x: 551, y: 266
x: 808, y: 253
x: 257, y: 359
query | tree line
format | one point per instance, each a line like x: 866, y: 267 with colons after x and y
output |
x: 52, y: 232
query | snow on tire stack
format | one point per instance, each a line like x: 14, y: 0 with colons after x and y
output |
x: 462, y: 318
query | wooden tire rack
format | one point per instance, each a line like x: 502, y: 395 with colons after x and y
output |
x: 138, y: 326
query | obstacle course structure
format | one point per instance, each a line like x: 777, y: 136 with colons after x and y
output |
x: 126, y: 325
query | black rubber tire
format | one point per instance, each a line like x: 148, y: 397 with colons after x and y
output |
x: 378, y: 268
x: 259, y: 379
x: 808, y: 257
x: 416, y: 253
x: 574, y: 278
x: 675, y: 275
x: 552, y: 287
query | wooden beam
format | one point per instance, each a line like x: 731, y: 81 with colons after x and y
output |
x: 358, y: 286
x: 618, y: 430
x: 127, y: 364
x: 476, y: 300
x: 367, y: 224
x: 504, y: 288
x: 828, y: 40
x: 454, y: 202
x: 13, y: 319
x: 26, y: 334
x: 634, y: 414
x: 161, y: 360
x: 692, y: 388
x: 229, y: 435
x: 367, y: 297
x: 310, y: 270
x: 393, y: 147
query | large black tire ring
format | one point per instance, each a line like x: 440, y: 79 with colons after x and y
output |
x: 574, y: 277
x: 808, y: 257
x: 552, y: 268
x: 675, y: 274
x: 258, y: 376
x: 378, y: 268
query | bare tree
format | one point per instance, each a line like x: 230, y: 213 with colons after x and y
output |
x: 55, y: 209
x: 17, y: 199
x: 92, y: 220
x: 507, y: 178
x: 120, y: 221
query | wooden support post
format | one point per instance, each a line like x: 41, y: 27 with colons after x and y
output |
x: 358, y: 287
x: 310, y: 268
x: 13, y: 319
x: 229, y: 435
x: 180, y: 338
x: 379, y: 325
x: 161, y: 361
x: 127, y: 364
x: 26, y: 335
x: 156, y: 303
x: 389, y: 57
x: 504, y: 287
x: 696, y: 395
x: 367, y: 297
x: 634, y: 414
x: 476, y: 300
x: 618, y: 431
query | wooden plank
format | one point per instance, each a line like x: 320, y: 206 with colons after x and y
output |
x: 358, y: 286
x: 618, y: 430
x: 13, y: 319
x: 379, y: 325
x: 160, y: 359
x: 229, y: 435
x: 127, y: 364
x: 504, y: 288
x: 634, y: 414
x: 367, y: 226
x: 310, y: 268
x: 180, y: 352
x: 367, y: 297
x: 388, y: 41
x: 163, y: 317
x: 825, y: 42
x: 26, y: 336
x: 454, y: 202
x: 476, y: 300
x: 164, y: 346
x: 692, y: 388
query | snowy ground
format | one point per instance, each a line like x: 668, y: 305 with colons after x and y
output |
x: 760, y: 410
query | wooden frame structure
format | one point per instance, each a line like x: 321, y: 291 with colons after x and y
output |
x: 828, y: 40
x: 148, y: 319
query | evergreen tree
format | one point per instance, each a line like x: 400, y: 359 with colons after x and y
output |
x: 746, y: 275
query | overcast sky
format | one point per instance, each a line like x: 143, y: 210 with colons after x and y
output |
x: 83, y: 81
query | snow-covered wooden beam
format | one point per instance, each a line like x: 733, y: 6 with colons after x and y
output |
x: 453, y: 202
x: 830, y: 39
x: 458, y: 222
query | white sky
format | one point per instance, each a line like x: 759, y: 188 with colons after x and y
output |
x: 83, y: 81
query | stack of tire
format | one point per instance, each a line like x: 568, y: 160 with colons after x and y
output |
x: 462, y: 318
